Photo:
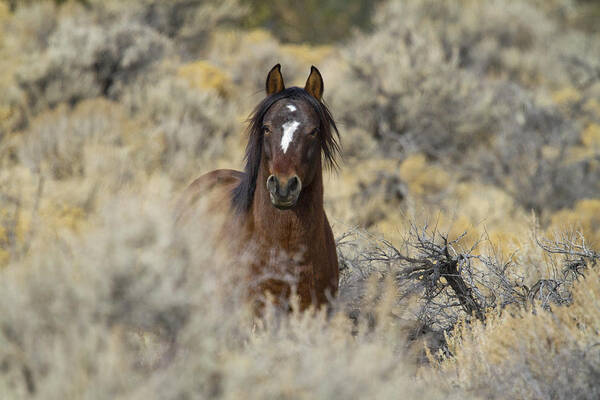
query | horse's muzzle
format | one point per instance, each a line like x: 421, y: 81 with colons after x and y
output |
x: 284, y: 194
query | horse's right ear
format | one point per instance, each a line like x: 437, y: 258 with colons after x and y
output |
x: 274, y: 80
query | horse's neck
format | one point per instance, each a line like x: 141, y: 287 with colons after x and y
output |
x: 302, y: 224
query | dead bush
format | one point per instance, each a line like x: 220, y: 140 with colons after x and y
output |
x: 453, y: 284
x: 531, y: 355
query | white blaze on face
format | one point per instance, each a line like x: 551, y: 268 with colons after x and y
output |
x: 291, y: 107
x: 288, y: 134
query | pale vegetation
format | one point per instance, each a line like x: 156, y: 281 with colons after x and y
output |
x: 466, y: 209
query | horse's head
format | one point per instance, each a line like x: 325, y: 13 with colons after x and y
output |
x: 292, y: 138
x: 289, y: 131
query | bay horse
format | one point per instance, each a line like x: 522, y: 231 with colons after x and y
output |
x: 274, y: 208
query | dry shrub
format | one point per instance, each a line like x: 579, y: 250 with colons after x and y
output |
x: 86, y: 59
x: 130, y: 272
x: 442, y: 283
x: 56, y: 140
x: 436, y: 80
x: 22, y: 35
x: 134, y: 307
x: 116, y: 51
x: 411, y: 99
x: 165, y: 127
x: 584, y: 217
x: 532, y: 355
x: 523, y: 325
x: 314, y: 22
x: 590, y: 137
x: 31, y: 27
x: 100, y: 50
x: 185, y: 127
x: 529, y: 155
x: 205, y: 76
x: 248, y: 56
x: 414, y: 89
x: 189, y: 24
x: 422, y: 178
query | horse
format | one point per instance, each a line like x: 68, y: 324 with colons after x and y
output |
x: 274, y: 208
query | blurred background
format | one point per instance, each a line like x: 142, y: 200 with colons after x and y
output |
x: 474, y: 116
x: 477, y: 113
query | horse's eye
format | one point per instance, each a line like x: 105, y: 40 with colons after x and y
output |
x: 266, y: 130
x: 314, y: 132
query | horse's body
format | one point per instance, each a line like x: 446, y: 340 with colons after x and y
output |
x: 274, y: 209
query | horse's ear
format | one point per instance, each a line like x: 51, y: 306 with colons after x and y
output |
x: 314, y: 83
x: 274, y: 80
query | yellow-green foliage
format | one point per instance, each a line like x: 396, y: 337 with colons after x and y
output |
x: 423, y: 179
x: 592, y: 106
x: 590, y: 137
x: 584, y: 217
x: 567, y: 96
x: 203, y: 75
x: 305, y: 54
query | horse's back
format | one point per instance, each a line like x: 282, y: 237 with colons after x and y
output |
x: 209, y: 192
x: 216, y: 178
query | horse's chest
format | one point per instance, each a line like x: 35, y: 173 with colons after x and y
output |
x: 282, y: 251
x: 287, y: 251
x: 281, y: 255
x: 277, y: 269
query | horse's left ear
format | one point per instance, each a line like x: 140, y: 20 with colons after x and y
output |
x: 314, y: 83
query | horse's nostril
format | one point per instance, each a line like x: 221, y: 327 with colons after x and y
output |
x: 286, y: 190
x: 272, y: 184
x: 293, y: 184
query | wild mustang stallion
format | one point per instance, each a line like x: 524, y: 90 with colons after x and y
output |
x: 275, y: 224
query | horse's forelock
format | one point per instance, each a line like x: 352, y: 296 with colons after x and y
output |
x: 243, y: 194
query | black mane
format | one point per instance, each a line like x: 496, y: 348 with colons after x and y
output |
x: 243, y: 194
